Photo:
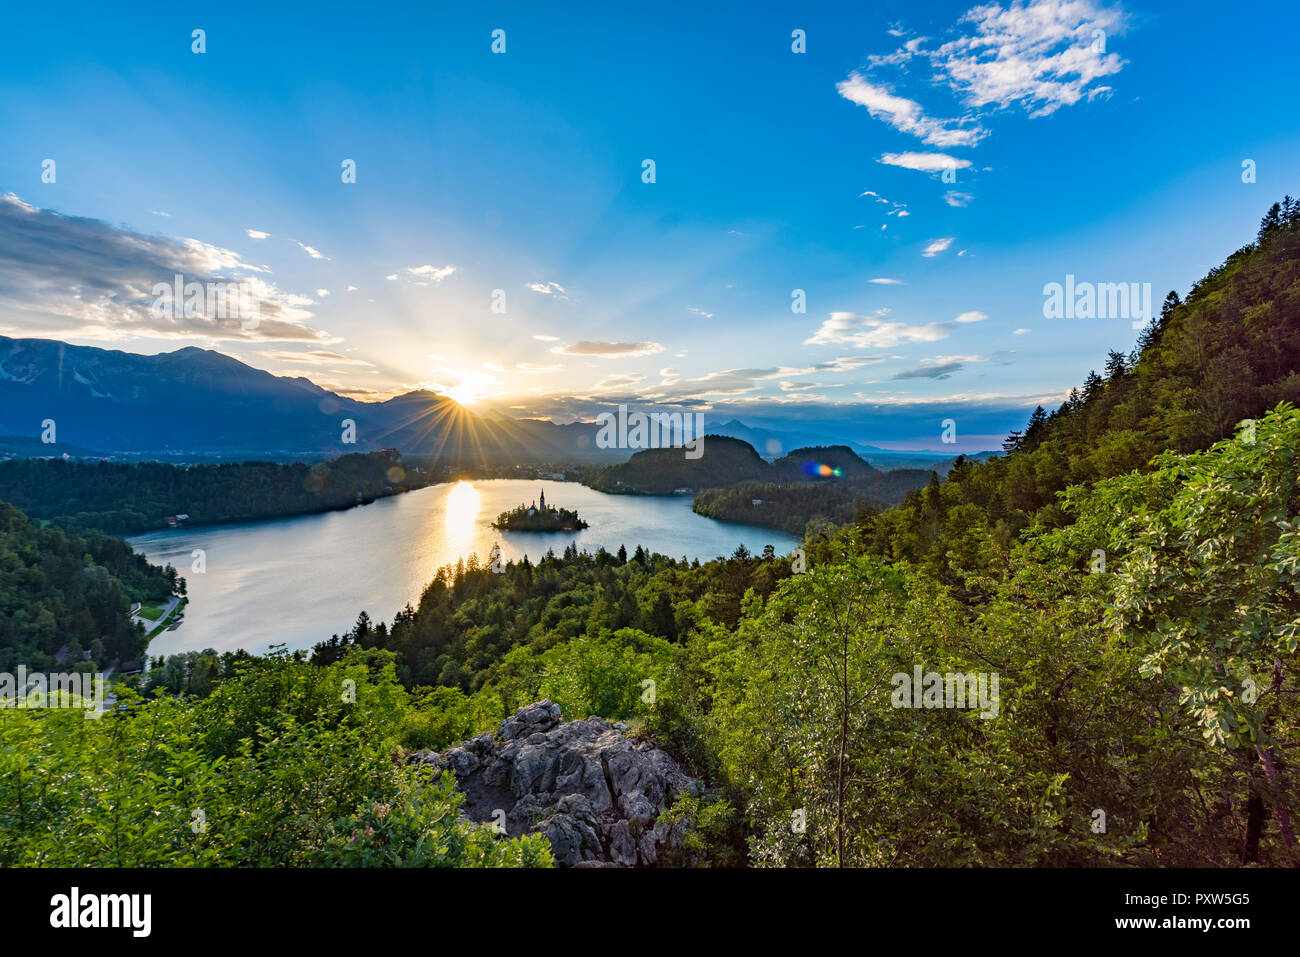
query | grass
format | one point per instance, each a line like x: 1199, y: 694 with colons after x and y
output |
x: 152, y: 612
x: 162, y: 623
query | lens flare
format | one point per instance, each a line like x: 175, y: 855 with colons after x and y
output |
x: 821, y: 470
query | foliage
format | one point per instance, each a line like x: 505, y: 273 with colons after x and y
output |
x: 65, y: 597
x: 127, y: 499
x: 277, y: 767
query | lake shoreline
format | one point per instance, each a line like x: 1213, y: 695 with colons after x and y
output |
x: 296, y: 580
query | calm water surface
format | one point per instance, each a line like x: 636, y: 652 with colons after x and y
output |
x: 299, y: 580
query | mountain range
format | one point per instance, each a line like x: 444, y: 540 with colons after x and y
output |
x: 196, y: 404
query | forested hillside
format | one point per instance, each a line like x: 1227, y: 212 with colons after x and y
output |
x: 71, y: 593
x: 724, y: 461
x: 810, y: 507
x: 1227, y: 352
x: 127, y: 499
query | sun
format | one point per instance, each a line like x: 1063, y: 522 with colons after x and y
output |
x: 461, y: 395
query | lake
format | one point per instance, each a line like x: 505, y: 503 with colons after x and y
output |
x: 296, y: 581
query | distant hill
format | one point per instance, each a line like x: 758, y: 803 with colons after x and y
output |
x: 827, y: 463
x: 29, y: 447
x: 772, y: 444
x: 941, y: 462
x: 725, y: 461
x: 826, y: 482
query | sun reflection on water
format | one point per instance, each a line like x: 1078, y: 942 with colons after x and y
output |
x: 462, y: 511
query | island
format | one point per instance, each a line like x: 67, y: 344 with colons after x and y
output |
x: 539, y: 518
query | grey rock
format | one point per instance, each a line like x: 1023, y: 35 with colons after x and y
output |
x: 594, y: 793
x: 538, y: 717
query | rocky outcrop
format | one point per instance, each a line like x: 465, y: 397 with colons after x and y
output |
x: 595, y: 793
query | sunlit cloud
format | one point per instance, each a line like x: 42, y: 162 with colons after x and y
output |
x: 316, y: 357
x: 877, y: 331
x: 609, y: 350
x: 76, y: 276
x: 428, y: 274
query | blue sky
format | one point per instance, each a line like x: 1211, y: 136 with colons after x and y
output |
x: 522, y: 172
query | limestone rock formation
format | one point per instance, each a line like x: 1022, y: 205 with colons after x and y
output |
x: 593, y: 792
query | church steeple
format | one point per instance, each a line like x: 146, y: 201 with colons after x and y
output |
x: 543, y: 500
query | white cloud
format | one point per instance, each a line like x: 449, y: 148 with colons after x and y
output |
x: 352, y: 289
x: 1021, y: 332
x: 697, y: 311
x: 882, y: 281
x: 874, y: 331
x: 924, y: 162
x: 258, y: 234
x: 955, y: 198
x: 907, y: 115
x: 899, y: 209
x: 429, y: 274
x: 313, y: 253
x: 541, y: 338
x: 322, y: 293
x: 937, y: 246
x: 548, y: 289
x: 1042, y: 55
x: 1035, y: 55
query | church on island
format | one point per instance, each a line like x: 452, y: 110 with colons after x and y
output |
x: 538, y: 517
